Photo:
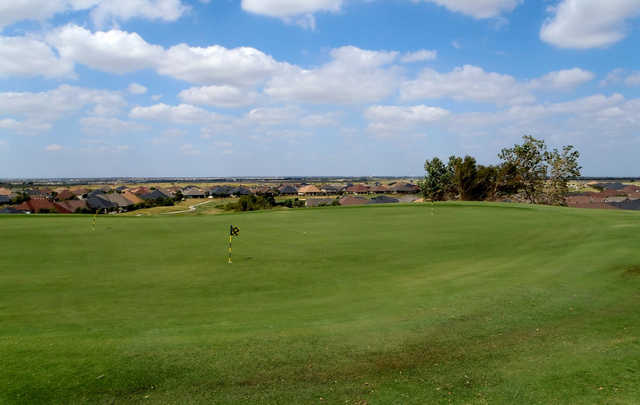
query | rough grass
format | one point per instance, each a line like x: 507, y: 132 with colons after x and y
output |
x: 401, y: 304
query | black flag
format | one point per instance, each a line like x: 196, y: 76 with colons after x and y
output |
x: 234, y: 231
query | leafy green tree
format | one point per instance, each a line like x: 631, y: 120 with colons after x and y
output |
x: 438, y: 180
x: 486, y: 184
x: 528, y: 166
x: 465, y: 177
x: 563, y: 165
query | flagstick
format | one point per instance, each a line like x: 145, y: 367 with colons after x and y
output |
x: 230, y: 241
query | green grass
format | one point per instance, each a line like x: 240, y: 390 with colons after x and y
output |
x: 402, y: 304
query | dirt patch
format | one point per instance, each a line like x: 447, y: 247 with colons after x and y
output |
x: 632, y: 271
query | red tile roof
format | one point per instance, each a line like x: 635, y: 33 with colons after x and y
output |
x: 37, y: 205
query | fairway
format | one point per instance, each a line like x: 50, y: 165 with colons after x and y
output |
x: 400, y: 304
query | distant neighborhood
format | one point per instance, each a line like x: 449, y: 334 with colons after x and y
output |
x: 611, y: 196
x: 117, y: 199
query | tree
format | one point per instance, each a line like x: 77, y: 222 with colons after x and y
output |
x: 563, y: 166
x: 465, y: 177
x: 437, y: 181
x: 527, y: 161
x: 486, y: 184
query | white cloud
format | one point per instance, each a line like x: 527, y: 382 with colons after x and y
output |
x: 392, y: 119
x: 217, y: 65
x: 321, y: 120
x: 219, y: 96
x: 467, y: 83
x: 111, y: 51
x: 23, y: 56
x: 40, y: 110
x: 633, y: 79
x: 164, y: 10
x: 294, y: 11
x: 353, y: 76
x: 419, y: 56
x: 273, y: 115
x: 562, y: 79
x: 180, y: 114
x: 102, y: 11
x: 53, y: 148
x: 109, y: 126
x: 478, y: 8
x: 584, y: 24
x: 135, y: 88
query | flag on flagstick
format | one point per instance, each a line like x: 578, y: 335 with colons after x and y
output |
x: 233, y: 231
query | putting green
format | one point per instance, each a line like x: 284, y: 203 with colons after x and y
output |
x: 401, y: 304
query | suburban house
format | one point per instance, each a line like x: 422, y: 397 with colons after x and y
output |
x: 70, y: 206
x: 132, y: 197
x: 221, y: 191
x: 99, y: 203
x: 37, y: 205
x: 358, y: 189
x: 155, y: 195
x: 194, y: 193
x: 65, y: 195
x: 287, y: 189
x: 309, y: 190
x: 317, y: 202
x: 331, y: 189
x: 240, y: 191
x: 379, y: 189
x: 353, y: 200
x: 383, y: 199
x: 405, y: 188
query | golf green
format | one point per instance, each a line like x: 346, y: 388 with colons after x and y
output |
x: 400, y: 304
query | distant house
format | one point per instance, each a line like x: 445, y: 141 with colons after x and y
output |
x: 317, y: 202
x: 380, y: 189
x: 383, y: 199
x: 65, y: 195
x: 221, y: 191
x: 240, y: 191
x: 331, y: 189
x: 95, y: 193
x: 132, y: 197
x: 120, y: 189
x: 140, y: 191
x: 119, y: 199
x: 11, y: 210
x: 358, y: 189
x: 287, y: 189
x: 309, y: 190
x: 37, y: 206
x: 5, y: 191
x: 70, y: 206
x: 353, y: 200
x: 155, y: 195
x: 99, y: 203
x: 405, y: 188
x: 5, y: 199
x: 194, y: 193
x: 80, y: 192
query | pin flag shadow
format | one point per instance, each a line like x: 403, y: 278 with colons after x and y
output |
x: 234, y: 231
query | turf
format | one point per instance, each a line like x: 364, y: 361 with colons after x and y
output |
x: 404, y: 304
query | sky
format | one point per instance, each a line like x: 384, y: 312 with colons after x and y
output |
x: 221, y: 88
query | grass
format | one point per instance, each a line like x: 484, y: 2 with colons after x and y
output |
x: 400, y: 304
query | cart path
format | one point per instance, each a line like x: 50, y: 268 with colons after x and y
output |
x: 191, y: 208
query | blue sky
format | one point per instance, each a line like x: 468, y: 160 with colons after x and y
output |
x: 312, y: 87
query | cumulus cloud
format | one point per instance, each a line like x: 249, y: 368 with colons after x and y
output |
x: 353, y: 76
x: 37, y: 111
x: 180, y: 114
x: 562, y: 79
x: 584, y: 24
x: 111, y: 51
x: 216, y: 64
x: 467, y: 83
x: 23, y: 56
x: 135, y: 88
x: 109, y: 126
x: 300, y: 12
x: 273, y: 115
x: 419, y: 56
x: 219, y: 96
x: 102, y: 11
x: 479, y: 9
x: 392, y: 119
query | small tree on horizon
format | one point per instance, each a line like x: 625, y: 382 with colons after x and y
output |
x: 437, y: 181
x: 563, y: 165
x: 528, y: 162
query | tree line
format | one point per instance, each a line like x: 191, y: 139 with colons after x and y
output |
x: 530, y: 169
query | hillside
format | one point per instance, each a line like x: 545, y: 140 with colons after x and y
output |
x: 404, y: 304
